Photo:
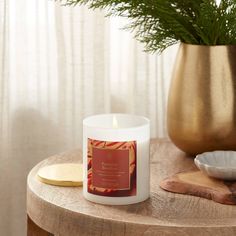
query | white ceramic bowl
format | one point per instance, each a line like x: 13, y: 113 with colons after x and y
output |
x: 218, y: 164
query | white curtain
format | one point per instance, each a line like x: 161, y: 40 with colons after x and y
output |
x: 57, y: 66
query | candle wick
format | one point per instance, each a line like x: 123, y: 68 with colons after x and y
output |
x: 115, y: 123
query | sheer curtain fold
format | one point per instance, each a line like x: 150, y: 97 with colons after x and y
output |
x: 57, y: 66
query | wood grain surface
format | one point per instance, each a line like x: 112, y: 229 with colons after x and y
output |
x: 34, y: 230
x: 198, y: 184
x: 63, y: 211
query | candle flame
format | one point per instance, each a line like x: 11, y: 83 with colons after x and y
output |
x: 115, y: 122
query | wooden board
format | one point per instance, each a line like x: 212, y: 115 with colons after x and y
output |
x: 198, y: 184
x: 64, y: 211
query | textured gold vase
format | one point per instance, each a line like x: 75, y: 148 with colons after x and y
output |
x: 202, y: 99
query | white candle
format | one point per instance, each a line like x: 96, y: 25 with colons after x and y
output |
x: 116, y: 159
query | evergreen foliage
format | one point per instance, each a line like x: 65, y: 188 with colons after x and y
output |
x: 161, y: 23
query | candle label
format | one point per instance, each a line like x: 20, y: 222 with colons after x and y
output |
x: 112, y: 168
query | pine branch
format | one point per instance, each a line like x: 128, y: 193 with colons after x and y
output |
x: 161, y: 23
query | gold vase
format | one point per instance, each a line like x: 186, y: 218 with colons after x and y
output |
x: 202, y: 99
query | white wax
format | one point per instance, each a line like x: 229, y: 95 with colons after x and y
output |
x: 126, y: 128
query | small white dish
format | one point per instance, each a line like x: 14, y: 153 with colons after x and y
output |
x: 218, y: 164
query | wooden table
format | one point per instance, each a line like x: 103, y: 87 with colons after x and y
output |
x: 64, y: 211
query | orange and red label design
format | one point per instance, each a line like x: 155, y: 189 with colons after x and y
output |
x: 112, y: 168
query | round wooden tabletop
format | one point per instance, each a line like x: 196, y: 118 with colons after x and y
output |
x: 64, y: 211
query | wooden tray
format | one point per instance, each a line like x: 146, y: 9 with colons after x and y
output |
x: 198, y: 184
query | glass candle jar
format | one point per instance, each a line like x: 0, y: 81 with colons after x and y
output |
x: 116, y: 159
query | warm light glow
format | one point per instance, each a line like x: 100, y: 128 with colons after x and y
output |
x: 218, y: 2
x: 114, y: 123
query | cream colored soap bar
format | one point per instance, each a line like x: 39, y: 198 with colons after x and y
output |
x: 67, y: 175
